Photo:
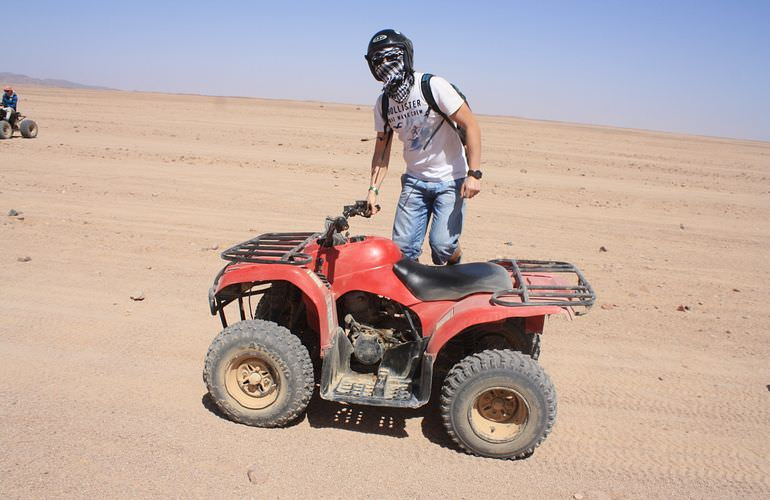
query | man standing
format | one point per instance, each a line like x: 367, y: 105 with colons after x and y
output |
x: 430, y: 116
x: 9, y: 103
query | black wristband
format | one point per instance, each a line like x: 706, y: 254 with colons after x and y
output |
x: 475, y: 174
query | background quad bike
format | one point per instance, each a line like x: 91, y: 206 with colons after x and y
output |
x: 28, y: 128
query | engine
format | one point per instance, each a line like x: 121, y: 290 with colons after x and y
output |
x: 375, y: 324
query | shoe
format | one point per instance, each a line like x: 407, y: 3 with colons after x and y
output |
x: 456, y: 256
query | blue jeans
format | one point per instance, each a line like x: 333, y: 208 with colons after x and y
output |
x: 419, y: 202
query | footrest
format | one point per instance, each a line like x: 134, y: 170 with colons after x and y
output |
x: 402, y: 379
x: 356, y: 386
x: 396, y: 391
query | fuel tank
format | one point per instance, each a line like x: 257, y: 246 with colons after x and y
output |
x: 361, y: 253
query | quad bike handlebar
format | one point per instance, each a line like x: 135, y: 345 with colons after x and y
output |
x: 336, y: 225
x: 360, y: 207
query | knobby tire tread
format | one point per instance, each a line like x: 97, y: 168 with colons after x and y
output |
x: 476, y: 364
x: 296, y: 351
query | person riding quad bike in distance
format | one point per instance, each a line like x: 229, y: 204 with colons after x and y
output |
x: 10, y: 118
x: 10, y: 100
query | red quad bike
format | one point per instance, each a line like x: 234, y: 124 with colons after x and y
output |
x: 384, y: 330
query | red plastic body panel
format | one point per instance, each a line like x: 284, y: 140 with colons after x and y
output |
x: 368, y: 266
x: 303, y: 278
x: 476, y: 310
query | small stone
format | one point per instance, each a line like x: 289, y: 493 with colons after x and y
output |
x: 682, y: 308
x: 736, y: 290
x: 523, y: 170
x: 19, y: 218
x: 509, y: 243
x: 214, y: 247
x: 364, y: 139
x: 681, y: 226
x: 26, y: 258
x: 608, y: 306
x: 13, y: 213
x: 602, y: 249
x: 138, y: 296
x: 578, y: 496
x: 254, y: 476
x: 660, y: 378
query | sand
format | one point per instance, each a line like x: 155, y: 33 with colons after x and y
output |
x: 128, y: 193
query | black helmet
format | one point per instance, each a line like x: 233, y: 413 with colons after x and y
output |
x: 390, y: 38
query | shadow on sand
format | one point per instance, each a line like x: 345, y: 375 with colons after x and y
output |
x: 383, y: 421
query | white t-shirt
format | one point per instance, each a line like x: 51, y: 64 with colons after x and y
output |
x: 437, y: 159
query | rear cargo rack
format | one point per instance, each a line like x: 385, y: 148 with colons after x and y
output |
x: 578, y: 295
x: 273, y: 248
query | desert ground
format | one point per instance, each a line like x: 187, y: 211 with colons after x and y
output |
x: 664, y: 388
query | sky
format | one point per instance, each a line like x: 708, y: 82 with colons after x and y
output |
x: 697, y: 67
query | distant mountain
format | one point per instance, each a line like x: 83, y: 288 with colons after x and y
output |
x: 6, y: 78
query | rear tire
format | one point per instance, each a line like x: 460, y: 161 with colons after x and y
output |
x: 6, y: 131
x: 498, y: 404
x: 28, y: 129
x: 259, y: 374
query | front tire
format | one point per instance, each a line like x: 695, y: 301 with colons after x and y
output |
x: 259, y: 374
x: 498, y: 404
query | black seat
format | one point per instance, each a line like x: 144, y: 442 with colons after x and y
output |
x: 451, y: 282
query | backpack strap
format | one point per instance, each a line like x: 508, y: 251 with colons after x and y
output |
x: 427, y: 92
x: 387, y: 130
x: 384, y: 103
x: 432, y: 104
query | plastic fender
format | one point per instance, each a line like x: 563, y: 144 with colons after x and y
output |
x: 477, y: 309
x: 430, y: 314
x: 303, y: 278
x: 381, y: 281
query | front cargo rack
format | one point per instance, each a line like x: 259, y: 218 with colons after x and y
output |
x: 579, y: 294
x: 273, y: 248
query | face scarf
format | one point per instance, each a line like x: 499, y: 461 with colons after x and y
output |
x: 391, y: 71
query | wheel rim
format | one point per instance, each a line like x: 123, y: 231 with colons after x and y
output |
x: 498, y: 414
x: 252, y: 381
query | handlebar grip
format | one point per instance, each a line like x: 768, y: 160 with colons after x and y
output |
x: 368, y: 213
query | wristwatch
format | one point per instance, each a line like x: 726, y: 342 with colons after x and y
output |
x: 475, y: 173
